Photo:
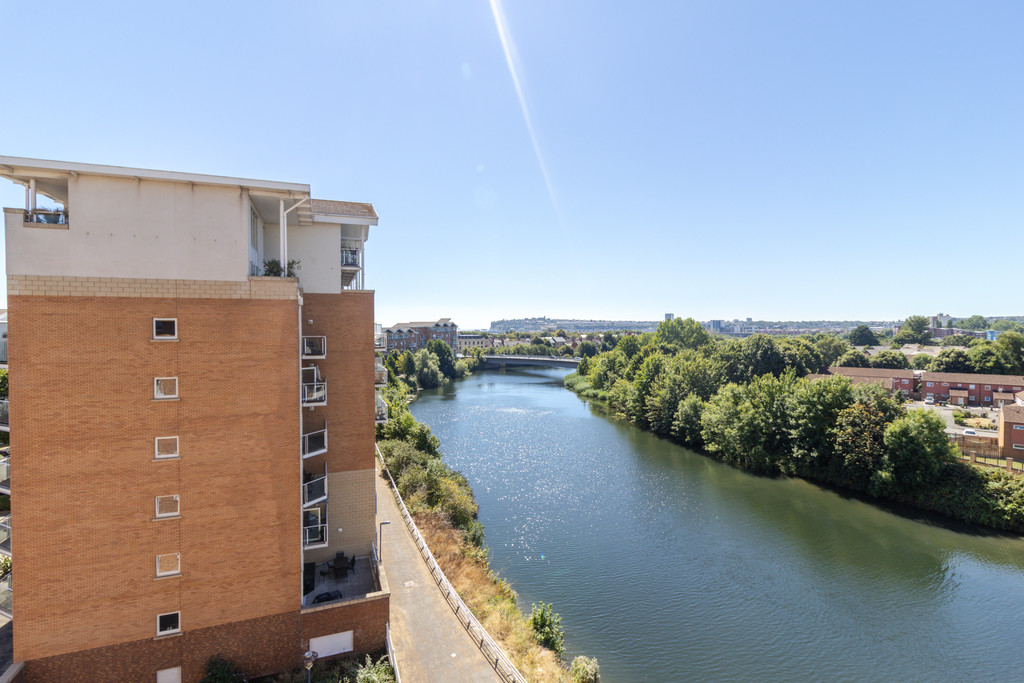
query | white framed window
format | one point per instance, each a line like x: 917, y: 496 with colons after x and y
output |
x: 988, y: 387
x: 971, y: 386
x: 931, y: 384
x: 165, y: 447
x: 169, y: 675
x: 972, y: 398
x: 165, y: 387
x: 906, y: 381
x: 1016, y: 388
x: 167, y: 506
x: 988, y: 399
x: 168, y: 623
x: 1018, y: 446
x: 1019, y: 427
x: 168, y: 565
x: 165, y: 328
x: 945, y: 384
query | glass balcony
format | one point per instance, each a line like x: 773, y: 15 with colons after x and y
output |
x: 351, y: 264
x: 51, y: 216
x: 3, y: 352
x: 314, y: 536
x: 380, y: 341
x: 5, y: 474
x: 314, y: 443
x: 7, y: 595
x: 381, y: 408
x: 5, y: 421
x: 314, y: 347
x: 314, y: 491
x: 380, y: 373
x: 5, y: 534
x: 314, y: 394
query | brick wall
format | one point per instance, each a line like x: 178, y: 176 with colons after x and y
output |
x: 83, y: 422
x: 366, y: 618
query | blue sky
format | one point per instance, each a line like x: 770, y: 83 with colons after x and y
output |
x: 786, y: 160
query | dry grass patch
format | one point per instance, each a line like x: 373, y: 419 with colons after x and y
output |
x: 491, y: 599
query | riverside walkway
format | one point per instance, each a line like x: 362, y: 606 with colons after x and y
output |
x: 430, y: 643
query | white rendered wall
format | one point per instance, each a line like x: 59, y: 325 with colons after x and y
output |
x: 318, y: 248
x: 140, y: 229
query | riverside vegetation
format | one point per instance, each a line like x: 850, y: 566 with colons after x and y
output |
x: 445, y: 510
x: 747, y: 403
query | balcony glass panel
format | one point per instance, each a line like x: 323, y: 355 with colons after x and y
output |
x: 314, y: 347
x: 314, y: 491
x: 314, y: 536
x: 4, y: 418
x: 5, y: 473
x: 380, y: 373
x: 314, y: 394
x: 5, y: 534
x: 381, y: 408
x: 314, y: 443
x: 380, y: 341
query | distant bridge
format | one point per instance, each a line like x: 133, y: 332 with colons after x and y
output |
x: 501, y: 361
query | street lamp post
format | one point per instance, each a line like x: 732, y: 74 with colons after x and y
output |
x: 380, y: 540
x: 307, y: 661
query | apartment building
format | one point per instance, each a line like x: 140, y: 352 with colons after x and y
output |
x: 414, y: 336
x: 962, y: 389
x: 901, y: 381
x: 1011, y: 429
x: 193, y: 458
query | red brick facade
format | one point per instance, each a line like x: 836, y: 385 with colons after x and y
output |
x: 989, y: 391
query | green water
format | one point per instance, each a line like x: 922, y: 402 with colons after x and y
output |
x: 668, y: 566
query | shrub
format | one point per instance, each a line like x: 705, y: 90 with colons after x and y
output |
x: 220, y: 670
x: 375, y: 672
x: 547, y: 628
x: 584, y: 670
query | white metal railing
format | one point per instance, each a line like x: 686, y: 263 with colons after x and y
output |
x: 380, y: 373
x: 380, y: 408
x: 314, y: 491
x: 314, y: 393
x: 5, y: 419
x: 5, y: 473
x: 314, y: 443
x: 5, y: 534
x: 314, y: 347
x: 7, y: 595
x: 503, y: 666
x: 392, y: 657
x: 314, y: 536
x: 380, y: 341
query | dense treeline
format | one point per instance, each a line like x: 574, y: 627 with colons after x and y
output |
x: 748, y: 404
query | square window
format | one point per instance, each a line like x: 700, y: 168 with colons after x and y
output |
x: 1019, y: 447
x: 971, y: 386
x: 988, y: 398
x: 1016, y: 388
x: 165, y: 328
x: 167, y: 506
x: 165, y: 387
x: 168, y: 623
x: 1019, y: 427
x: 169, y: 675
x: 166, y: 447
x: 988, y: 387
x: 168, y: 565
x: 931, y: 384
x: 945, y: 384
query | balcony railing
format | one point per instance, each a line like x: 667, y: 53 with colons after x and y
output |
x: 380, y: 373
x: 351, y: 265
x: 314, y: 491
x: 314, y: 443
x: 5, y: 475
x: 314, y: 347
x: 381, y: 408
x: 350, y: 258
x: 314, y: 536
x: 5, y: 534
x: 7, y: 595
x: 5, y: 420
x: 380, y: 341
x: 314, y: 394
x: 3, y: 352
x: 51, y: 216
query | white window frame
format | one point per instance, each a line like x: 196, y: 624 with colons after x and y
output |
x: 172, y: 675
x: 177, y: 508
x: 1018, y: 446
x: 170, y: 631
x: 1019, y: 427
x: 166, y: 572
x: 945, y: 384
x: 1016, y: 388
x: 157, y: 396
x: 931, y: 384
x: 988, y: 387
x: 165, y: 337
x: 970, y: 386
x: 156, y: 448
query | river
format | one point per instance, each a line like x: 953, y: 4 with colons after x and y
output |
x: 668, y: 566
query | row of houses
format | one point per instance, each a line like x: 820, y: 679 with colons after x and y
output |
x: 414, y: 336
x: 1000, y: 392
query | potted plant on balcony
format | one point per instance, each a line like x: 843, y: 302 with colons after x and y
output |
x: 272, y: 267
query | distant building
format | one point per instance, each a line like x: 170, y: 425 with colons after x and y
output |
x: 713, y: 326
x: 414, y: 336
x: 940, y: 320
x: 968, y: 389
x: 1011, y: 429
x: 469, y: 341
x: 670, y: 316
x: 901, y: 381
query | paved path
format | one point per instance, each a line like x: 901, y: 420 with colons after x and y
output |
x: 430, y: 643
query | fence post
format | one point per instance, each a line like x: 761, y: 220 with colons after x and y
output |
x: 974, y: 458
x: 1009, y: 464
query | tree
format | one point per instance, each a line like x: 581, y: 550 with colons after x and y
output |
x: 681, y: 334
x: 863, y: 336
x: 914, y: 331
x: 1012, y: 346
x: 890, y: 359
x: 859, y: 445
x: 629, y: 345
x: 951, y: 360
x: 988, y: 359
x: 975, y: 322
x: 586, y: 349
x: 815, y: 407
x: 547, y: 628
x: 409, y: 364
x: 959, y: 340
x: 800, y: 355
x: 921, y: 361
x: 917, y: 447
x: 853, y: 359
x: 761, y: 356
x: 428, y: 371
x: 1006, y: 325
x: 830, y: 348
x: 445, y: 357
x: 3, y: 384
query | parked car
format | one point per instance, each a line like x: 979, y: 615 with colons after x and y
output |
x: 970, y: 432
x: 930, y: 401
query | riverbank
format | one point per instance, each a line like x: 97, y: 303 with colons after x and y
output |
x: 444, y: 508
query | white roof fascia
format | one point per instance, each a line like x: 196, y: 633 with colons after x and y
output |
x: 343, y: 220
x: 69, y: 167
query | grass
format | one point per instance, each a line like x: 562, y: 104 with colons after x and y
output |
x: 491, y: 599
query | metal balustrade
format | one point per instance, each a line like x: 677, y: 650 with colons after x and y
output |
x: 314, y: 491
x: 314, y: 536
x: 314, y: 443
x: 380, y: 373
x: 381, y: 409
x: 314, y: 394
x: 5, y: 419
x: 497, y: 658
x: 314, y: 347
